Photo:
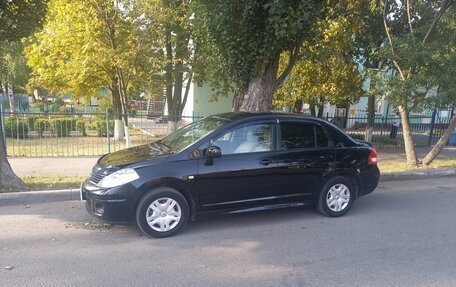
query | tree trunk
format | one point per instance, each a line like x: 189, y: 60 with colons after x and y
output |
x: 8, y: 179
x: 312, y: 110
x: 320, y: 111
x: 117, y: 113
x: 441, y: 143
x: 297, y: 107
x: 370, y: 118
x: 10, y: 94
x: 257, y: 97
x: 410, y: 152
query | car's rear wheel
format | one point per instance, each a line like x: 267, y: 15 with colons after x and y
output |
x: 336, y: 196
x: 162, y: 213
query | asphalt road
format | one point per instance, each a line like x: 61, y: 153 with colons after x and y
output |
x: 404, y: 234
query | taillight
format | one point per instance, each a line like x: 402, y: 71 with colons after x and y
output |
x: 372, y: 159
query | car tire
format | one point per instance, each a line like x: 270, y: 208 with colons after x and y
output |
x: 336, y: 196
x: 162, y: 213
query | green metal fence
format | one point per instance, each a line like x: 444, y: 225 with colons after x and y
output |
x: 426, y: 129
x: 78, y: 134
x: 92, y: 134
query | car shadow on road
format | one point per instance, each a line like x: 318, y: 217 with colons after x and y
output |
x: 73, y: 215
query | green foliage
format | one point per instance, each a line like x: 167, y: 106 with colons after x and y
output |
x: 326, y: 72
x: 20, y: 18
x: 16, y: 127
x: 41, y: 125
x: 100, y: 126
x: 245, y: 36
x: 376, y: 139
x: 89, y: 45
x: 62, y: 127
x: 132, y: 112
x: 13, y: 66
x: 421, y: 54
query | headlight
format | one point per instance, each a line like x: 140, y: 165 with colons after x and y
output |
x: 120, y: 177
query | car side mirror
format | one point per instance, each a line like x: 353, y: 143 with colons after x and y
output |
x: 213, y: 152
x: 210, y: 153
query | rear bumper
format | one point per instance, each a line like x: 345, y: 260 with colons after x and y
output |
x: 369, y: 180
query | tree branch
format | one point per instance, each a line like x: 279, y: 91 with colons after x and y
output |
x: 409, y: 18
x: 445, y: 5
x: 187, y: 90
x: 291, y: 62
x: 390, y: 41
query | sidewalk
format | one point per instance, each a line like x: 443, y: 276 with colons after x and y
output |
x: 52, y: 166
x: 82, y: 166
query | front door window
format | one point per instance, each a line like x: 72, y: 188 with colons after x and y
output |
x: 247, y: 139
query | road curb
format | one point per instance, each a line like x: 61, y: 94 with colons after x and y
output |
x: 29, y: 197
x: 43, y: 196
x: 413, y: 175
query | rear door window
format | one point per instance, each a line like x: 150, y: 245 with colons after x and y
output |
x: 297, y: 136
x: 321, y: 138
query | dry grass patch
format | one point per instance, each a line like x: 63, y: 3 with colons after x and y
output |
x: 398, y: 166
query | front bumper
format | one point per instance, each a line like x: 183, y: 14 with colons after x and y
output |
x: 115, y: 205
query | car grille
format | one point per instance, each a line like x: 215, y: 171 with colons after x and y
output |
x: 96, y: 177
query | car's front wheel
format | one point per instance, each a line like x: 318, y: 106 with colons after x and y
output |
x: 162, y: 213
x: 336, y: 197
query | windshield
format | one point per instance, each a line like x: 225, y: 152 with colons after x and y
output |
x: 182, y: 138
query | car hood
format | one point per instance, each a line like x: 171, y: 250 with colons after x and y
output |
x: 135, y: 155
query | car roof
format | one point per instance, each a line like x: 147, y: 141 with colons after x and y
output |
x: 244, y: 115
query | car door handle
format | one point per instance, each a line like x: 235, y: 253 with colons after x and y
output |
x: 266, y: 161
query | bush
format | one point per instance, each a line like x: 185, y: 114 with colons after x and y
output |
x: 81, y: 126
x: 40, y: 125
x: 380, y: 139
x: 31, y: 122
x: 132, y: 112
x: 16, y: 127
x: 100, y: 126
x: 62, y: 127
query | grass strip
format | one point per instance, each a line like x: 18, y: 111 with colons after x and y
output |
x: 48, y: 183
x: 400, y: 166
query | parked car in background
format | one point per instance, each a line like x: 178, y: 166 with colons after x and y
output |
x: 230, y: 163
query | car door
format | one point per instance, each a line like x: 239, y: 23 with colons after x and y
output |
x: 304, y: 155
x: 243, y: 175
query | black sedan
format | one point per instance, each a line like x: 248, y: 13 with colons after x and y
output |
x: 230, y: 163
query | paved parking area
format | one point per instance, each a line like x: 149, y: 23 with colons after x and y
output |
x: 404, y: 234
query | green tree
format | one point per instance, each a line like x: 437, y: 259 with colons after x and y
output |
x: 19, y: 19
x: 369, y: 42
x: 90, y: 44
x: 421, y: 40
x: 325, y: 71
x: 172, y: 62
x: 248, y: 38
x: 14, y: 72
